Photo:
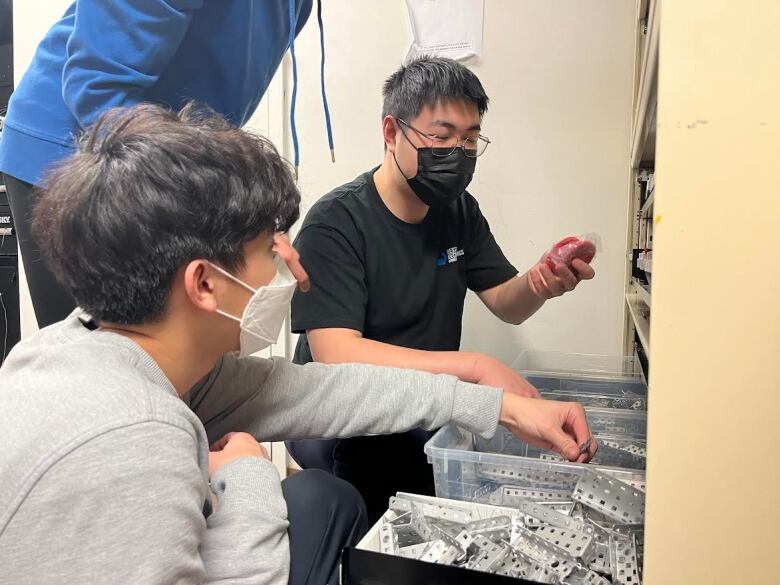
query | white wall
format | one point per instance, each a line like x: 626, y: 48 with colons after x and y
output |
x: 559, y: 75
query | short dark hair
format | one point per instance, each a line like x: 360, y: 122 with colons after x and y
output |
x: 147, y: 191
x: 425, y: 81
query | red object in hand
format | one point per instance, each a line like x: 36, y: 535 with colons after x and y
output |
x: 565, y: 251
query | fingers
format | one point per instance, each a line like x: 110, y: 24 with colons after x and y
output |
x: 575, y: 424
x: 566, y: 276
x: 554, y: 284
x: 572, y: 433
x: 232, y: 436
x: 284, y: 248
x: 546, y: 283
x: 220, y: 444
x: 234, y: 446
x: 583, y: 269
x: 577, y: 421
x: 563, y: 443
x: 547, y: 424
x: 587, y: 450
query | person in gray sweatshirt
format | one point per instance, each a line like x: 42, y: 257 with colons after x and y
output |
x: 130, y: 431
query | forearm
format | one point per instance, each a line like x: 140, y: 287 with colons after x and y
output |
x: 347, y: 348
x: 275, y: 400
x: 344, y: 400
x: 515, y: 301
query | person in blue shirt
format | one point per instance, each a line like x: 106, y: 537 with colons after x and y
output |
x: 102, y: 55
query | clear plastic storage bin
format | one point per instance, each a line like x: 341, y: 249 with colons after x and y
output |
x: 560, y: 364
x: 594, y: 380
x: 466, y: 467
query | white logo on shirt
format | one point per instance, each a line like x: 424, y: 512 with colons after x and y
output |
x: 453, y: 253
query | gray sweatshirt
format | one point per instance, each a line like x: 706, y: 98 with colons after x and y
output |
x: 104, y: 468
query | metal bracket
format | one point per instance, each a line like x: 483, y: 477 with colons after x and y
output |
x: 577, y: 544
x: 585, y: 577
x: 510, y: 495
x: 490, y: 555
x: 613, y: 498
x: 539, y: 514
x: 431, y: 510
x: 566, y: 508
x: 453, y: 535
x: 407, y: 536
x: 613, y: 454
x: 537, y: 477
x: 414, y: 551
x: 611, y: 424
x: 512, y: 567
x: 421, y: 525
x: 600, y: 559
x: 636, y: 449
x: 435, y: 552
x: 536, y: 571
x: 494, y: 529
x: 543, y: 552
x: 388, y: 540
x: 622, y: 556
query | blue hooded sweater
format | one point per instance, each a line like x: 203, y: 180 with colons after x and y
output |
x: 103, y: 54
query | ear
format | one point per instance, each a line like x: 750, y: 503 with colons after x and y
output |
x: 390, y: 132
x: 199, y: 285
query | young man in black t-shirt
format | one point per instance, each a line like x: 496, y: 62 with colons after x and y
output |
x: 390, y: 256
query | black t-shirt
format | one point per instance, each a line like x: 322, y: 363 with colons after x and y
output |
x: 393, y: 281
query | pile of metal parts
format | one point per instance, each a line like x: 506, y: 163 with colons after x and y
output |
x: 594, y: 537
x: 621, y: 437
x: 614, y: 453
x: 626, y: 400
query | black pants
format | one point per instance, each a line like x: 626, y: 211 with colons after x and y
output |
x: 326, y: 515
x: 377, y: 466
x: 51, y: 301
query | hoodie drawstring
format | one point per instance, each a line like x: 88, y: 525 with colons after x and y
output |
x: 328, y: 127
x: 294, y: 96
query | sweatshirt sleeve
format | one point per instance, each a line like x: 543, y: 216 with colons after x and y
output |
x: 126, y: 506
x: 246, y: 540
x: 118, y: 49
x: 276, y: 400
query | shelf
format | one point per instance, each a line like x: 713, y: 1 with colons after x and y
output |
x: 640, y: 291
x: 641, y: 323
x: 644, y: 117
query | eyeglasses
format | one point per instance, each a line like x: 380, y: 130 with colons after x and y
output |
x: 473, y: 146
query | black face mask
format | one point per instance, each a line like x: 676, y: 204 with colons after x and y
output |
x: 440, y: 180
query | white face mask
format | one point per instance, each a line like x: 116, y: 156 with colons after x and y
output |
x: 265, y: 312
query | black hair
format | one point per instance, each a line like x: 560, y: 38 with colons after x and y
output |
x: 425, y: 81
x: 147, y: 191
